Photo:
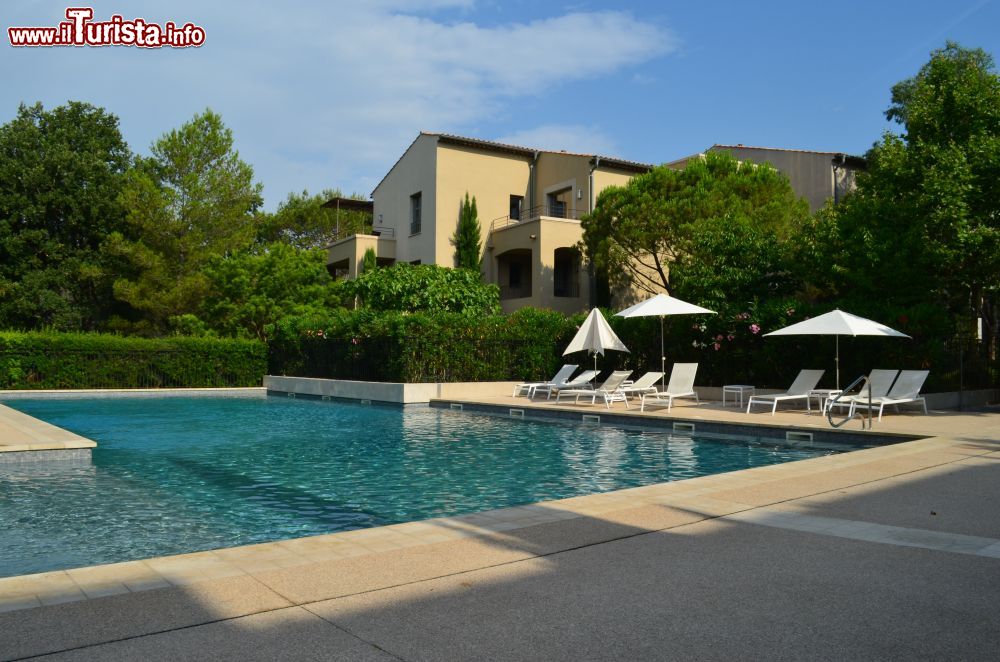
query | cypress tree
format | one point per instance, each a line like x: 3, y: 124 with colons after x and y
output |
x: 467, y: 236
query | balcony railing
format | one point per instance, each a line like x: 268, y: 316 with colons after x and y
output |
x: 534, y: 213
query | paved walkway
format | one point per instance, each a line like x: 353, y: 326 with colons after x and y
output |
x: 891, y: 552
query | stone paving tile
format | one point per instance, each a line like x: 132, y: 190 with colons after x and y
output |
x: 705, y: 497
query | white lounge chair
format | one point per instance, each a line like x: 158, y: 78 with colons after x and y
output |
x: 905, y: 390
x: 879, y: 383
x: 610, y: 390
x: 799, y: 390
x: 681, y: 385
x: 581, y: 381
x: 645, y: 384
x: 564, y: 374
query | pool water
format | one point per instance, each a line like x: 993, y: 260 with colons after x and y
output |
x: 175, y: 475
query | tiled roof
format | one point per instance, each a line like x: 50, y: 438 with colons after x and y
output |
x: 530, y: 151
x: 780, y: 149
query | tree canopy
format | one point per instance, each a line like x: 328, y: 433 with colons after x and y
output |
x: 61, y: 173
x: 715, y: 222
x: 302, y: 221
x: 193, y: 200
x: 924, y: 223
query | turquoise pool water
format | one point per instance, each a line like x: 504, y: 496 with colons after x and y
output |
x: 174, y: 475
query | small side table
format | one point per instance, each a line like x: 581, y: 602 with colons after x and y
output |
x: 739, y: 391
x: 823, y: 395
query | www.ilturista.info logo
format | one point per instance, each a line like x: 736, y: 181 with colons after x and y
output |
x: 80, y: 30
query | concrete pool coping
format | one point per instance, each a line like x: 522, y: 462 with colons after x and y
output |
x: 257, y: 579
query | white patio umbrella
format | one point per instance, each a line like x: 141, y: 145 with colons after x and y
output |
x: 838, y: 323
x: 660, y: 306
x: 595, y: 336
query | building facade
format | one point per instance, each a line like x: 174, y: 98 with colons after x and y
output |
x: 529, y: 202
x: 815, y: 176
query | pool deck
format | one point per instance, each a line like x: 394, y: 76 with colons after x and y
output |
x: 889, y: 552
x: 20, y: 433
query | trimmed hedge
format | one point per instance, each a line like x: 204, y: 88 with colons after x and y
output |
x: 420, y: 347
x: 46, y: 360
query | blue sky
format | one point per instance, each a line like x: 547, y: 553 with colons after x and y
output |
x: 329, y: 94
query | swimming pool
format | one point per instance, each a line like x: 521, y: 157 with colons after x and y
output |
x: 176, y: 475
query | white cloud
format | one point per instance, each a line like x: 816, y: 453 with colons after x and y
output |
x: 329, y: 94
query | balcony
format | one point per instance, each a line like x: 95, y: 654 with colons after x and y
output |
x: 551, y: 210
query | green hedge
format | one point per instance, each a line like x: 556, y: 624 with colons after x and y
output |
x: 45, y: 360
x: 420, y: 347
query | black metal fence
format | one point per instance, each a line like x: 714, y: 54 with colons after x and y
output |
x: 393, y: 359
x: 953, y: 365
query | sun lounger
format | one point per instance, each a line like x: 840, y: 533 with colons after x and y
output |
x: 681, y: 385
x: 564, y: 374
x: 905, y: 390
x: 610, y: 390
x: 645, y: 384
x: 581, y: 381
x: 879, y: 383
x: 799, y: 390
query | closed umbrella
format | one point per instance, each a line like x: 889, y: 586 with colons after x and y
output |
x: 660, y: 306
x: 838, y: 323
x: 595, y: 336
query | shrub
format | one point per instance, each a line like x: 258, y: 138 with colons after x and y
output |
x: 424, y: 288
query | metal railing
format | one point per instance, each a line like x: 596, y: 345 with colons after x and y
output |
x: 851, y: 412
x: 534, y: 213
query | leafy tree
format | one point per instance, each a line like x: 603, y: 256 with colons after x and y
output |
x: 247, y: 291
x: 302, y: 221
x: 467, y: 237
x: 424, y: 287
x: 924, y: 223
x: 192, y: 201
x: 710, y: 226
x: 61, y: 172
x: 369, y: 261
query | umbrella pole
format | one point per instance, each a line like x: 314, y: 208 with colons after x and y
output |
x: 836, y: 361
x: 663, y: 358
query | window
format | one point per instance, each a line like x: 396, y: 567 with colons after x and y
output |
x: 515, y: 207
x: 415, y: 213
x: 557, y: 202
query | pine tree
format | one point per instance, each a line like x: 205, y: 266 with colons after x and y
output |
x: 467, y: 236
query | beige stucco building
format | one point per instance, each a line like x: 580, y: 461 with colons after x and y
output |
x: 815, y: 176
x: 529, y: 203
